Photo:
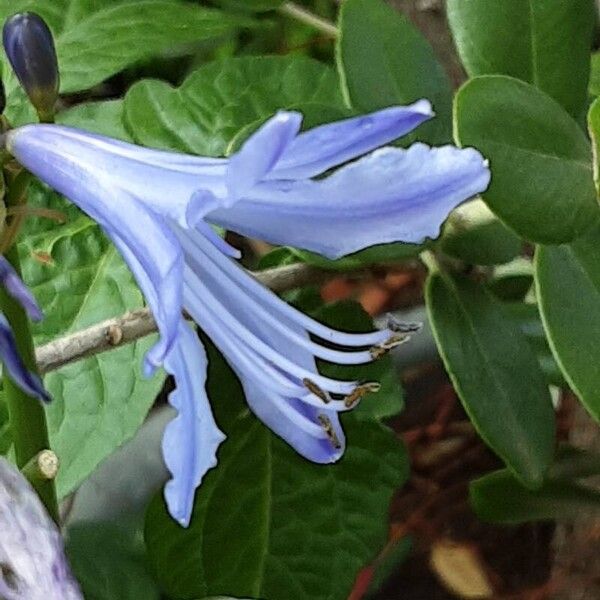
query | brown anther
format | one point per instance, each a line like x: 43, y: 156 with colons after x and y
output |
x: 360, y: 392
x: 114, y: 334
x: 397, y: 326
x: 313, y: 388
x: 383, y: 348
x: 331, y: 434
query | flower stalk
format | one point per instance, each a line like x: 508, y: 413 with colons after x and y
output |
x: 27, y: 416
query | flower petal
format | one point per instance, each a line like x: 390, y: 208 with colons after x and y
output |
x: 33, y: 562
x: 322, y: 148
x: 191, y: 439
x: 391, y: 195
x: 18, y: 290
x: 29, y: 382
x: 165, y: 180
x: 260, y: 153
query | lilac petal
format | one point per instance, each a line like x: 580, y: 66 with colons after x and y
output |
x: 260, y: 153
x: 392, y: 195
x: 18, y: 290
x: 33, y: 563
x: 328, y: 146
x: 191, y: 439
x: 166, y: 181
x: 29, y: 382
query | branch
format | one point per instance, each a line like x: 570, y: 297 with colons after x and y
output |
x: 291, y: 9
x: 140, y: 323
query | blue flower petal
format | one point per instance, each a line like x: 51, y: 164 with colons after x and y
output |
x: 191, y: 439
x: 391, y: 195
x: 322, y: 148
x: 260, y: 153
x: 29, y: 382
x: 18, y: 290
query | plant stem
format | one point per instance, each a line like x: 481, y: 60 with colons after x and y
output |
x: 27, y: 416
x: 291, y: 9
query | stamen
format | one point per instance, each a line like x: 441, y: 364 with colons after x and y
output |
x: 397, y: 326
x: 331, y: 434
x: 360, y: 392
x: 313, y: 388
x: 382, y: 349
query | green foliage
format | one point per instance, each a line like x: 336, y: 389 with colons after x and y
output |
x: 383, y: 60
x: 541, y: 161
x: 495, y: 373
x: 500, y: 498
x: 109, y: 563
x: 546, y: 43
x: 209, y: 109
x: 568, y: 286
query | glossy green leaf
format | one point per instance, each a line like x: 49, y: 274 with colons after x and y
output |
x: 593, y: 120
x: 527, y: 317
x: 384, y: 60
x: 269, y: 524
x: 106, y: 42
x: 513, y: 280
x: 568, y: 287
x: 495, y: 373
x: 500, y: 498
x: 218, y: 100
x: 541, y: 162
x: 546, y: 43
x: 475, y: 235
x: 108, y: 563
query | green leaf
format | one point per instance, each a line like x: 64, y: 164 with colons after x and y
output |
x: 495, y: 373
x: 544, y: 43
x: 269, y: 524
x: 108, y: 563
x: 500, y: 498
x: 218, y: 100
x: 251, y: 5
x: 473, y: 234
x: 513, y: 280
x: 105, y: 118
x: 594, y: 87
x: 383, y: 61
x: 594, y: 130
x: 111, y: 39
x: 527, y: 317
x: 540, y: 159
x: 568, y: 286
x: 304, y: 531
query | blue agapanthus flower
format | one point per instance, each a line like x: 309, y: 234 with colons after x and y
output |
x: 9, y: 355
x: 157, y: 207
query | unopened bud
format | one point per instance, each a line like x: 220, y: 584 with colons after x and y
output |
x: 29, y: 46
x: 2, y: 97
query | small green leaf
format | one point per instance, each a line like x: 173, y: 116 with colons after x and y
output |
x: 568, y: 286
x: 108, y: 563
x: 513, y: 280
x: 500, y: 498
x: 475, y: 235
x: 544, y: 43
x: 495, y: 373
x: 218, y: 100
x: 541, y: 161
x: 384, y: 60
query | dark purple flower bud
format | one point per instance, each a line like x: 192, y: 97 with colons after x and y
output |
x: 2, y: 97
x: 32, y: 560
x: 30, y: 49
